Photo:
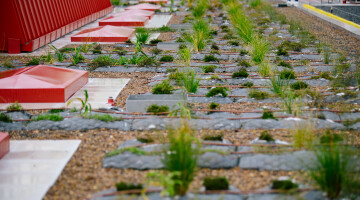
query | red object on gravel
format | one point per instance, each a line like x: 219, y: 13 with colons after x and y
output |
x: 144, y: 6
x: 144, y: 13
x: 4, y: 144
x: 124, y: 20
x: 104, y: 34
x: 37, y: 23
x: 40, y: 84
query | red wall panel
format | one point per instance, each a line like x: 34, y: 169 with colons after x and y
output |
x: 36, y: 22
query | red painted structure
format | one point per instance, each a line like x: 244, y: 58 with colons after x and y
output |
x: 144, y: 13
x: 40, y: 84
x: 124, y: 20
x: 27, y: 25
x: 104, y: 34
x: 144, y: 6
x: 4, y: 144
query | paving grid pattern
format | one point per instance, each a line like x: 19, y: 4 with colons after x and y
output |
x: 32, y: 167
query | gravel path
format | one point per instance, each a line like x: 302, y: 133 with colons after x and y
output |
x: 335, y: 36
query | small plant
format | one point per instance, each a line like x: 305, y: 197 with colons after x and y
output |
x: 191, y: 83
x: 264, y: 69
x: 211, y: 58
x: 163, y: 29
x: 303, y: 135
x: 233, y: 42
x: 281, y: 51
x: 265, y: 135
x: 285, y: 64
x: 163, y: 88
x: 84, y: 103
x: 215, y: 77
x: 14, y: 107
x: 184, y: 149
x: 121, y: 186
x: 59, y: 54
x: 144, y: 61
x: 217, y: 90
x: 324, y: 75
x: 209, y: 68
x: 104, y: 118
x: 333, y: 171
x: 244, y: 63
x: 167, y: 58
x: 5, y: 118
x: 299, y: 85
x: 128, y: 41
x: 258, y: 94
x: 8, y: 64
x: 330, y: 138
x: 198, y: 38
x: 177, y: 76
x: 287, y: 74
x: 54, y: 111
x: 243, y: 52
x: 216, y: 183
x: 326, y: 54
x: 97, y: 49
x: 147, y: 139
x: 214, y: 106
x: 242, y: 73
x: 248, y: 84
x: 214, y: 46
x: 210, y: 137
x: 48, y: 58
x: 85, y: 48
x: 142, y: 35
x: 133, y: 150
x: 78, y: 57
x: 260, y: 47
x: 155, y: 51
x: 284, y: 185
x: 103, y: 60
x: 155, y: 41
x: 33, y: 61
x: 156, y: 109
x: 278, y: 85
x: 185, y: 55
x: 74, y: 109
x: 268, y: 115
x: 51, y: 117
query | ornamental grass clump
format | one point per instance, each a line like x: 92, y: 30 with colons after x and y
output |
x: 184, y: 55
x: 260, y: 47
x: 278, y: 85
x: 103, y: 60
x: 200, y: 35
x: 241, y: 23
x: 190, y: 82
x: 181, y: 156
x: 287, y: 74
x: 333, y: 171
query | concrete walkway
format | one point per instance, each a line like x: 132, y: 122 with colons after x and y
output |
x: 32, y: 166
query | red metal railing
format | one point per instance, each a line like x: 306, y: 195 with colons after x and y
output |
x: 26, y: 25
